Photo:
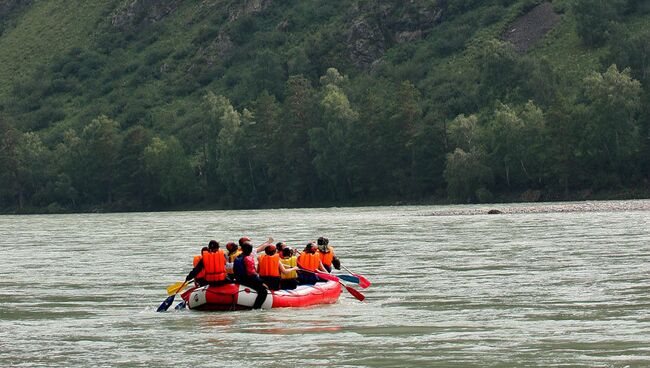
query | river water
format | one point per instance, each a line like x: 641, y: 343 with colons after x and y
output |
x: 509, y: 290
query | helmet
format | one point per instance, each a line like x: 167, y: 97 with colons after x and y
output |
x: 270, y: 249
x: 287, y: 252
x: 213, y: 245
x: 323, y: 241
x: 310, y: 248
x: 244, y: 239
x: 246, y: 248
x: 232, y: 247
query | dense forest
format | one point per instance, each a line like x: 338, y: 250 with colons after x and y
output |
x: 148, y: 105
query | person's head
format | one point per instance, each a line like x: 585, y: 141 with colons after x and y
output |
x: 280, y: 246
x: 270, y: 250
x: 204, y: 249
x: 287, y: 252
x: 323, y: 241
x: 213, y: 245
x: 232, y: 247
x: 323, y: 248
x: 246, y: 248
x: 243, y: 239
x: 310, y: 248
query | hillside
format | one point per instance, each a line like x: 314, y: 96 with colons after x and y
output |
x: 145, y: 104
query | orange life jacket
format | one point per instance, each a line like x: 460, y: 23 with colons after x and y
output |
x: 214, y: 265
x: 309, y: 261
x: 201, y: 274
x: 269, y: 265
x: 327, y: 258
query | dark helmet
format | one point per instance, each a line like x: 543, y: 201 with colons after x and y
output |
x: 310, y: 248
x: 213, y: 245
x: 270, y: 249
x: 244, y: 239
x: 321, y: 241
x: 247, y: 248
x: 232, y: 247
x: 287, y: 252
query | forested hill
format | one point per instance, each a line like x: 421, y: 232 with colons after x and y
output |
x: 161, y: 104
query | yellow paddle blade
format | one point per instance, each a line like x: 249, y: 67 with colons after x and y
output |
x: 173, y: 288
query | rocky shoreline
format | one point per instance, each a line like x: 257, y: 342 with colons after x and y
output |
x: 589, y: 206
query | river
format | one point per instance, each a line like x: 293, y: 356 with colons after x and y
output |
x: 473, y: 290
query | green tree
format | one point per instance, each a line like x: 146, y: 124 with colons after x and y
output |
x: 467, y: 175
x: 464, y: 132
x: 298, y: 118
x: 169, y: 170
x: 516, y: 140
x: 611, y: 131
x: 331, y: 142
x: 595, y: 19
x: 101, y: 140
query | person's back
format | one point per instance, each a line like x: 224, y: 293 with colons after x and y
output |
x: 269, y: 268
x: 290, y: 280
x: 233, y: 253
x: 309, y: 261
x: 245, y: 274
x: 200, y: 277
x: 212, y: 264
x: 327, y: 256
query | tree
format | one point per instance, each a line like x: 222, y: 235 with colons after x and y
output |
x: 515, y: 142
x: 611, y: 131
x: 467, y: 175
x: 101, y: 142
x: 331, y: 142
x: 298, y: 117
x: 464, y: 132
x: 595, y: 19
x: 169, y: 170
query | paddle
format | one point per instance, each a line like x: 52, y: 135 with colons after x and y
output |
x: 363, y: 282
x: 171, y: 289
x: 170, y: 299
x: 349, y: 278
x: 326, y: 276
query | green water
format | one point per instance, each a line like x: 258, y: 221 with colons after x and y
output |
x: 537, y: 289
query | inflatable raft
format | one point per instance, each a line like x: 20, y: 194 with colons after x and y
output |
x: 235, y: 297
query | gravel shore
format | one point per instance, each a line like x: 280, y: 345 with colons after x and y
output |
x: 593, y: 206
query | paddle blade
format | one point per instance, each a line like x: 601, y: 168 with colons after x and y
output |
x: 166, y: 304
x: 327, y: 276
x: 171, y: 289
x: 180, y: 305
x: 363, y: 282
x: 355, y: 293
x: 349, y: 278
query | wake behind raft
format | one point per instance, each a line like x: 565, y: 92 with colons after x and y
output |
x: 231, y: 297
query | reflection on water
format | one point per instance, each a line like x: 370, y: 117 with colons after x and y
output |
x: 524, y: 289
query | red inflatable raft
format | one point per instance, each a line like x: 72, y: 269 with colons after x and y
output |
x: 234, y: 296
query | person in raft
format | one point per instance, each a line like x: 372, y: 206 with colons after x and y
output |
x: 233, y: 252
x: 199, y: 280
x: 309, y: 262
x: 270, y: 268
x: 245, y: 273
x: 290, y: 261
x: 327, y: 256
x: 214, y: 264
